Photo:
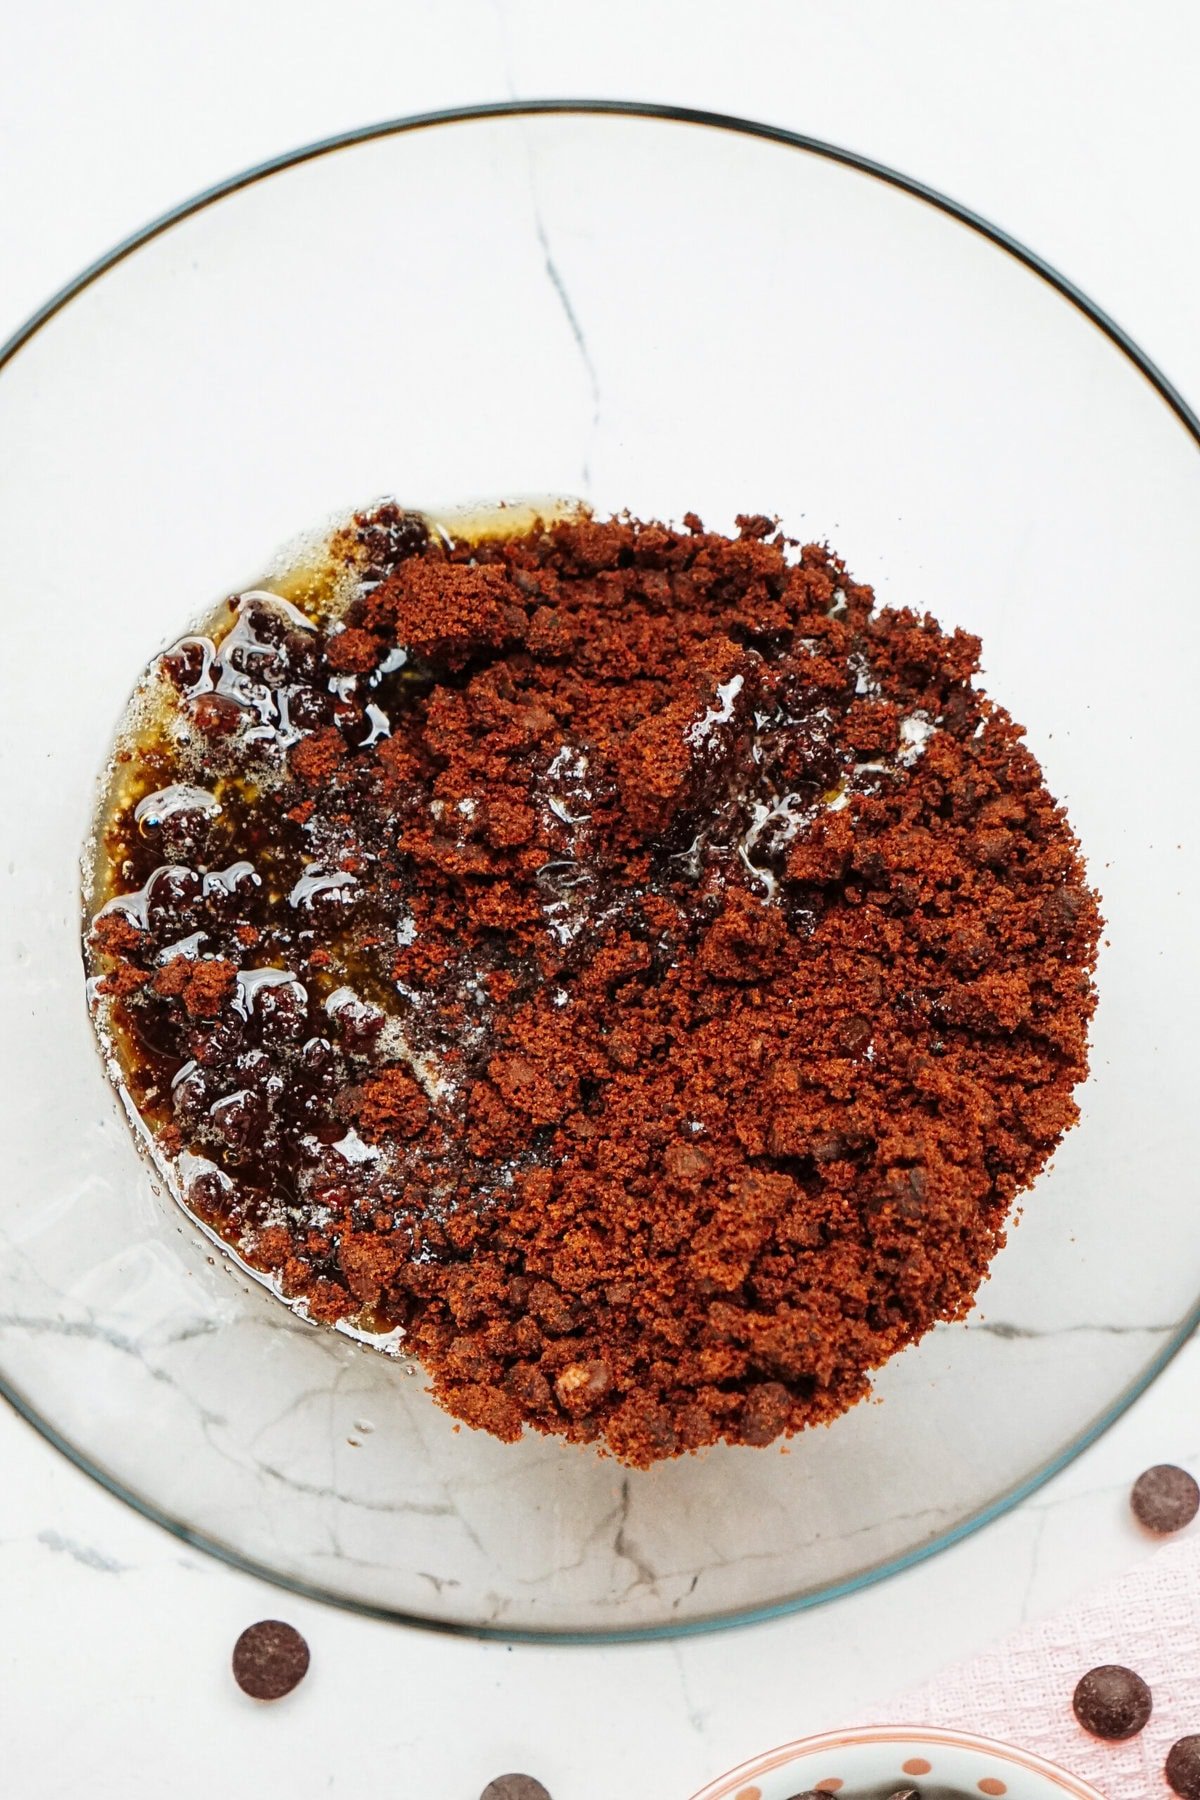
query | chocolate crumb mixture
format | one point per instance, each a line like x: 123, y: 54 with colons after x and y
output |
x: 622, y: 958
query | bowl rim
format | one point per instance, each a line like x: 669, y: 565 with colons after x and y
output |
x: 1095, y: 315
x: 901, y: 1737
x: 665, y: 111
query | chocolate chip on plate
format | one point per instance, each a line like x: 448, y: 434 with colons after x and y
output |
x: 269, y: 1660
x: 908, y: 1793
x: 514, y: 1787
x: 1165, y: 1498
x: 1112, y: 1702
x: 1183, y: 1768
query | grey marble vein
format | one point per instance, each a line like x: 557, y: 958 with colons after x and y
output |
x: 82, y: 1553
x: 607, y: 1520
x: 1002, y: 1328
x: 323, y: 1491
x: 438, y: 1582
x: 554, y: 276
x: 553, y: 272
x: 1035, y: 1561
x: 687, y: 1592
x: 697, y: 1716
x: 320, y: 1391
x: 91, y: 1330
x: 624, y: 1547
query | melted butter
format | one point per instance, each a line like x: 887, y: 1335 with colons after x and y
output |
x: 487, y: 520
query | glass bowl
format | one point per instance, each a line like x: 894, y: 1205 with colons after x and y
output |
x: 660, y: 311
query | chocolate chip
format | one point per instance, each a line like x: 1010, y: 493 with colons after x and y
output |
x: 514, y: 1787
x: 269, y: 1660
x: 1112, y: 1702
x: 905, y: 1794
x: 1165, y: 1498
x: 820, y: 1794
x: 1183, y: 1768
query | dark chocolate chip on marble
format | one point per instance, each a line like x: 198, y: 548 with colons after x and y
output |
x: 269, y: 1660
x: 1165, y: 1498
x: 514, y: 1787
x: 1112, y: 1702
x: 1183, y: 1768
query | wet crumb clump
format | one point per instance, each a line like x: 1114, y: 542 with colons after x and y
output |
x: 623, y: 958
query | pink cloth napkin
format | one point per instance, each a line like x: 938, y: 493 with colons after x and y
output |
x: 1020, y: 1691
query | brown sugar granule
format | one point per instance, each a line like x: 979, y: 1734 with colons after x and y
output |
x: 626, y: 959
x: 393, y: 1105
x: 315, y: 758
x: 352, y: 652
x: 203, y: 987
x: 122, y: 981
x: 446, y: 611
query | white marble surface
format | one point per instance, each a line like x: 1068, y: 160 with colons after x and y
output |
x: 1070, y: 121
